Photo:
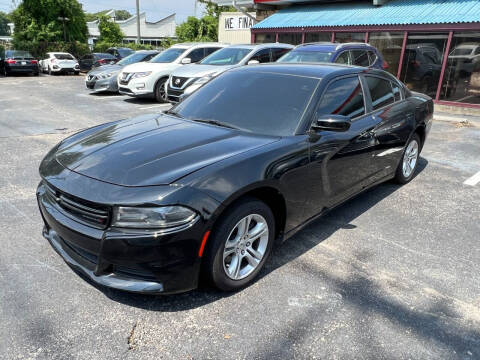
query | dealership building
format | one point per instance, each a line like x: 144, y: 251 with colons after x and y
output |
x: 432, y: 46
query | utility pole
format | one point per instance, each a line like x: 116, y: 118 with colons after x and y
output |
x: 64, y: 19
x: 138, y: 21
x: 195, y: 11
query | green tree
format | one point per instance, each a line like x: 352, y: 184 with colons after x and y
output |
x: 122, y: 15
x: 119, y: 15
x: 4, y: 20
x: 109, y: 31
x: 38, y: 20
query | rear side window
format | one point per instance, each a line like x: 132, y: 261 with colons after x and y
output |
x: 343, y: 97
x: 277, y: 53
x: 344, y: 58
x: 262, y: 56
x: 209, y: 51
x: 380, y: 91
x: 360, y: 58
x: 196, y: 55
x: 372, y: 57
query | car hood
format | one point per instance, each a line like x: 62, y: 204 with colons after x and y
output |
x: 199, y: 70
x: 152, y: 150
x: 105, y: 69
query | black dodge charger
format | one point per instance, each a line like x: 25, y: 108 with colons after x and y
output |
x: 152, y: 203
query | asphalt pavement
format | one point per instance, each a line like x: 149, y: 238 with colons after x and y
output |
x: 392, y: 274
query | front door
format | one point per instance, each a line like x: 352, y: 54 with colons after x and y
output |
x: 342, y: 162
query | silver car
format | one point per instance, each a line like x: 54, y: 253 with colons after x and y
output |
x: 186, y: 79
x: 104, y: 78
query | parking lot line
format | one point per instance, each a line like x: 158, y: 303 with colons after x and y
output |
x: 474, y: 180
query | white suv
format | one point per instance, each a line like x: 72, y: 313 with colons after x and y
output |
x: 148, y: 79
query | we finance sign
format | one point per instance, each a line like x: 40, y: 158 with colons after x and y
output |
x: 238, y: 22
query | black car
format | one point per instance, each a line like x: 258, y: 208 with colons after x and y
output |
x: 119, y: 52
x: 147, y: 204
x: 18, y: 62
x: 93, y: 60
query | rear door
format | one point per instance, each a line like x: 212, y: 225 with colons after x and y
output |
x: 396, y: 120
x: 342, y: 162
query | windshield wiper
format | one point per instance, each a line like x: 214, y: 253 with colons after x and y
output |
x: 217, y: 123
x: 174, y: 113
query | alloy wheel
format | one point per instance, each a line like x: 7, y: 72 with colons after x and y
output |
x: 245, y: 246
x: 410, y: 158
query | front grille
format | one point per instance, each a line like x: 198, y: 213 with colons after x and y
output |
x: 125, y: 78
x: 83, y: 211
x: 91, y: 86
x: 93, y: 258
x: 178, y: 81
x: 91, y: 77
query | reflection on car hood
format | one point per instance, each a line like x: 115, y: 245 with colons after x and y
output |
x: 105, y: 69
x: 152, y: 150
x: 200, y: 70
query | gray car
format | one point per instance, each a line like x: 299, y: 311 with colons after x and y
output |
x: 186, y: 79
x: 104, y: 78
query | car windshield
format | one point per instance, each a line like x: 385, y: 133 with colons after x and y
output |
x: 259, y: 102
x: 63, y: 56
x: 306, y: 56
x: 132, y: 59
x: 168, y: 56
x: 226, y: 56
x: 125, y: 52
x: 462, y: 51
x: 18, y: 54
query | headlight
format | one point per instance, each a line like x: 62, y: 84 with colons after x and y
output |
x: 205, y: 79
x: 152, y: 217
x: 106, y: 76
x: 141, y: 74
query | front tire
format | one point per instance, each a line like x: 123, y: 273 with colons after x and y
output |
x: 408, y: 164
x: 240, y: 244
x: 160, y: 94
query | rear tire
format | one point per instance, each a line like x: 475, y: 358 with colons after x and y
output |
x: 235, y: 256
x: 77, y: 73
x: 408, y: 164
x: 160, y: 94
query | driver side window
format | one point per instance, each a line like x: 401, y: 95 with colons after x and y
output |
x: 343, y: 97
x: 344, y: 58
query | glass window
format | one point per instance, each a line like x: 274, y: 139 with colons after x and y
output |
x: 301, y: 55
x: 278, y: 53
x: 381, y: 92
x: 272, y: 104
x: 343, y: 97
x: 63, y: 56
x: 134, y: 58
x: 196, y: 55
x: 262, y: 56
x: 318, y: 37
x: 422, y: 62
x: 345, y: 37
x: 227, y: 56
x: 211, y: 50
x: 168, y: 56
x: 125, y: 52
x: 290, y: 38
x: 372, y: 57
x: 344, y: 58
x: 461, y: 81
x: 390, y: 46
x: 265, y: 38
x: 360, y: 57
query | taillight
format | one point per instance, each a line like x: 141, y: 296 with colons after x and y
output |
x: 10, y: 61
x: 102, y: 61
x: 33, y: 62
x: 386, y: 65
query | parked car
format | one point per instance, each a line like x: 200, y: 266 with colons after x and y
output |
x: 119, y: 52
x: 421, y: 67
x: 20, y: 62
x: 359, y: 54
x: 254, y: 155
x: 466, y: 58
x: 58, y: 62
x: 104, y: 78
x: 94, y: 60
x: 186, y: 79
x: 148, y: 79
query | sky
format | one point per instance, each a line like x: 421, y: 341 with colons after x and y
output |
x: 155, y: 9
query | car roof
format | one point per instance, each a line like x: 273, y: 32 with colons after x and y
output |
x: 188, y: 45
x: 261, y: 46
x: 329, y: 46
x: 314, y: 70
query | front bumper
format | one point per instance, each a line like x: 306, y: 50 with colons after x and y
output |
x: 131, y: 260
x: 100, y: 85
x: 64, y: 70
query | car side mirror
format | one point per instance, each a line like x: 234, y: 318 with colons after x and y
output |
x: 338, y: 123
x: 186, y: 61
x: 253, y: 62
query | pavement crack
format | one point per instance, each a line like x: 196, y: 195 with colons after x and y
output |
x: 132, y: 342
